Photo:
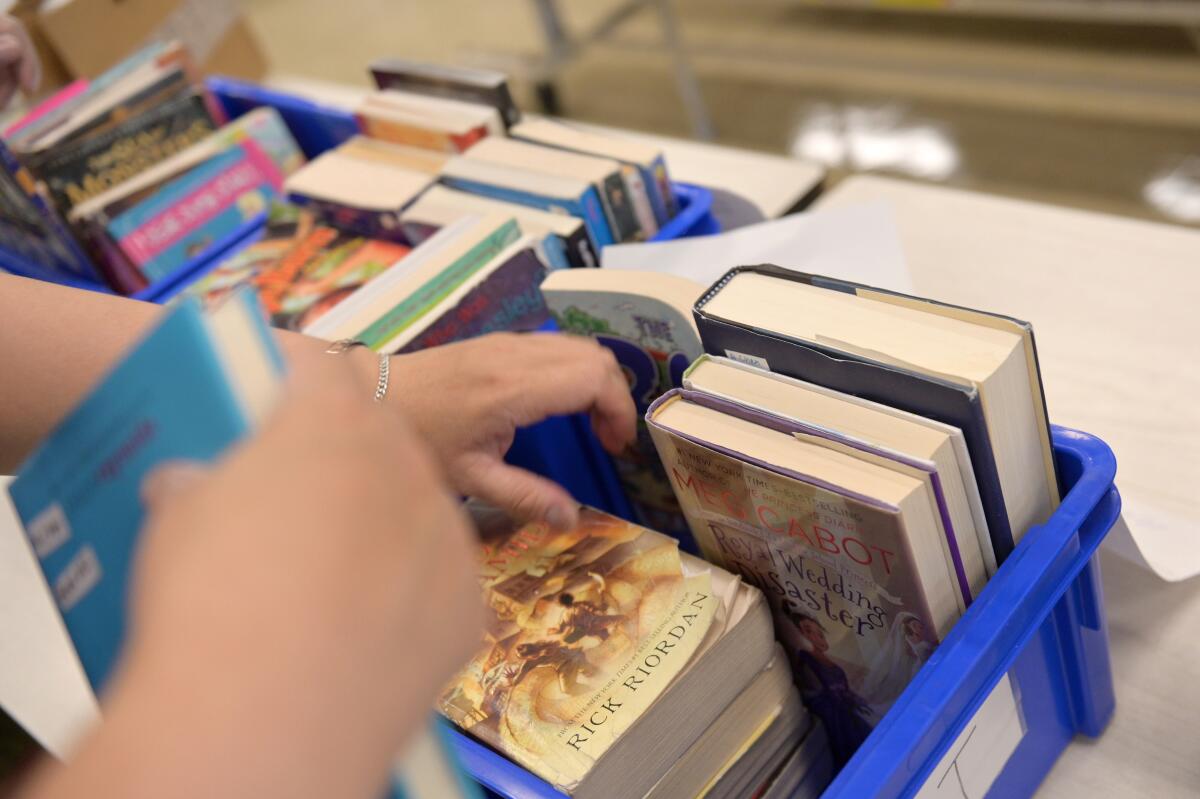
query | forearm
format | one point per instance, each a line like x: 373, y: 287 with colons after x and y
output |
x: 56, y: 343
x: 191, y: 735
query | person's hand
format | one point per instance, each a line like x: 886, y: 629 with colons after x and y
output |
x: 19, y: 64
x: 304, y: 599
x: 467, y: 399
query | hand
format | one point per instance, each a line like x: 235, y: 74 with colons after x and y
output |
x: 469, y: 398
x: 302, y: 601
x: 19, y: 64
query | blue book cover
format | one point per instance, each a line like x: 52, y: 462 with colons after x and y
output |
x: 190, y: 214
x: 78, y: 495
x: 190, y: 389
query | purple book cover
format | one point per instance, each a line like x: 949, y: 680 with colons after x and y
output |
x: 508, y: 299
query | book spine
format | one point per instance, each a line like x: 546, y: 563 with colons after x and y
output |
x: 640, y: 199
x: 593, y: 217
x: 579, y: 250
x: 659, y: 183
x: 554, y: 249
x: 508, y: 299
x: 412, y: 135
x: 418, y: 303
x: 586, y: 207
x: 618, y: 207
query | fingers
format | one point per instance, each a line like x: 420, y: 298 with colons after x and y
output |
x: 565, y: 374
x: 526, y: 496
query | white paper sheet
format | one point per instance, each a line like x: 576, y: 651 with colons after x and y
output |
x: 42, y: 684
x: 859, y: 243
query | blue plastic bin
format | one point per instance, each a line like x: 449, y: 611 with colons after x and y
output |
x: 1040, y: 622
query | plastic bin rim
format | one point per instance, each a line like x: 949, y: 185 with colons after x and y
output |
x: 983, y: 645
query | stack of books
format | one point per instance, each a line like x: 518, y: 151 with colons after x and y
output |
x: 615, y: 665
x: 133, y: 175
x: 865, y: 458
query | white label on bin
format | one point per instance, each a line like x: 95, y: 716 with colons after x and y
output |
x: 976, y: 758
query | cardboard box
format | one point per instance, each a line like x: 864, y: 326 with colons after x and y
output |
x: 89, y: 36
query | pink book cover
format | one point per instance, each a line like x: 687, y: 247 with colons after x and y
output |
x: 51, y: 103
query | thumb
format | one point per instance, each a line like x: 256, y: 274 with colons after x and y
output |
x: 170, y: 480
x: 523, y: 494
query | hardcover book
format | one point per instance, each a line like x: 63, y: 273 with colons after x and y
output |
x: 645, y: 320
x: 927, y: 445
x: 847, y: 552
x: 975, y: 371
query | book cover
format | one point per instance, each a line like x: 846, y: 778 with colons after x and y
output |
x: 77, y: 170
x: 618, y: 204
x: 943, y: 400
x: 654, y: 345
x: 485, y: 86
x: 586, y: 629
x: 191, y: 213
x: 661, y: 195
x: 425, y: 297
x: 836, y: 568
x: 299, y: 269
x: 508, y: 299
x: 366, y: 222
x: 640, y: 197
x: 50, y: 245
x: 78, y: 495
x: 169, y: 86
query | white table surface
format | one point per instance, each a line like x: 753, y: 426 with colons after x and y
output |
x: 771, y: 183
x: 1112, y: 304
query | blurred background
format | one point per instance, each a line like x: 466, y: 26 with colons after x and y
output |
x: 1088, y: 103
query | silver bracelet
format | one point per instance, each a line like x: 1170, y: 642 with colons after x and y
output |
x: 385, y: 364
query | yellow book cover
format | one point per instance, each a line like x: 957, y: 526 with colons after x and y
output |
x: 586, y: 629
